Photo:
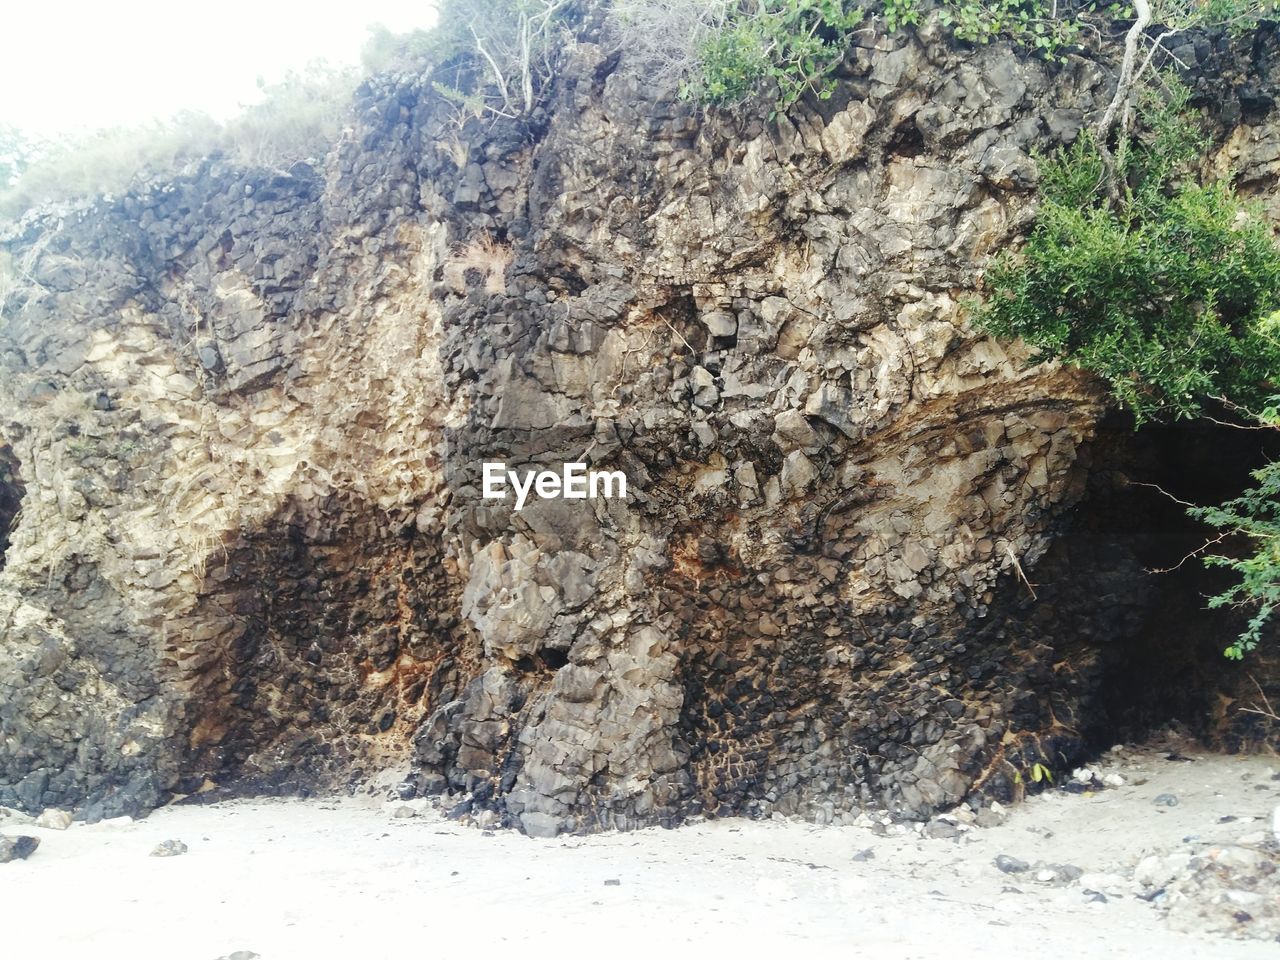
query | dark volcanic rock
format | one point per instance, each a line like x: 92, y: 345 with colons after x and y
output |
x: 1007, y: 864
x: 17, y: 848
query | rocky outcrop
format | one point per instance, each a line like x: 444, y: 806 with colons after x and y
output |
x: 246, y: 414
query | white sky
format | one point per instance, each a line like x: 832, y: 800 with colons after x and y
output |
x: 78, y: 65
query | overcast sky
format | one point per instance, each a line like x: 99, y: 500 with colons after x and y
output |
x: 72, y: 66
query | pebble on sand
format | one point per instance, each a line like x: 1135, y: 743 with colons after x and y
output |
x: 17, y: 848
x: 169, y: 848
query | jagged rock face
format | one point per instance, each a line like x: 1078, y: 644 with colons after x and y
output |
x: 250, y: 410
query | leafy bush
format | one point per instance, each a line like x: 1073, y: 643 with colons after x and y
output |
x: 726, y: 51
x: 1254, y: 515
x: 793, y: 46
x: 1026, y: 22
x: 900, y: 13
x: 1168, y: 292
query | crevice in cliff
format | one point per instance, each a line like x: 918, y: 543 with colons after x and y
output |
x: 1132, y: 598
x: 12, y: 490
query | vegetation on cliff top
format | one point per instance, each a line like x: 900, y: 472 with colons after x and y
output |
x: 497, y: 58
x: 297, y: 118
x: 1169, y: 291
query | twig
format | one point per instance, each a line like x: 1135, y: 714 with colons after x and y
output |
x: 1017, y: 566
x: 677, y: 333
x: 1124, y: 91
x: 1194, y: 553
x: 1267, y: 710
x: 1162, y: 491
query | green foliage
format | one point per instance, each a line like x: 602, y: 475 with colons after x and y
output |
x: 1039, y: 774
x: 1167, y: 291
x: 900, y: 13
x: 786, y: 49
x: 1029, y: 23
x: 733, y: 66
x: 1255, y: 516
x: 790, y: 47
x: 1235, y: 16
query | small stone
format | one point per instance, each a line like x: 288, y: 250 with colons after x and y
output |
x: 459, y: 810
x: 1111, y: 884
x: 1165, y: 800
x: 17, y: 848
x: 1113, y: 780
x: 169, y: 848
x: 1007, y: 864
x: 702, y: 378
x: 989, y: 818
x: 941, y: 830
x: 863, y: 855
x: 1237, y: 859
x: 1057, y: 874
x: 53, y: 819
x: 403, y: 812
x: 613, y: 883
x: 1156, y: 873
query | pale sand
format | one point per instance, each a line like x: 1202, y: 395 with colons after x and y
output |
x: 300, y: 879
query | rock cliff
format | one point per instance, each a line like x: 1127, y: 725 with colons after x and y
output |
x: 245, y: 413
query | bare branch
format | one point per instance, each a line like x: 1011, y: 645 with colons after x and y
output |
x: 493, y: 64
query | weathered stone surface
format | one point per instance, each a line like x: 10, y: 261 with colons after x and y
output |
x: 17, y: 848
x: 245, y: 413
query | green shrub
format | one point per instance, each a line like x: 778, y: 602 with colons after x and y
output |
x: 900, y: 13
x: 1029, y: 23
x: 1168, y: 292
x: 1254, y: 516
x: 785, y: 49
x: 789, y: 47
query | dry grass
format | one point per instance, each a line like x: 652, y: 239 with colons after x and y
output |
x: 299, y: 118
x: 482, y: 256
x: 664, y: 39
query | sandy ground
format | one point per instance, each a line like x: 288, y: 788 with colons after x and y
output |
x: 340, y: 878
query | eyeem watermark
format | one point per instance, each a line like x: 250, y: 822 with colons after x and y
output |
x: 573, y: 482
